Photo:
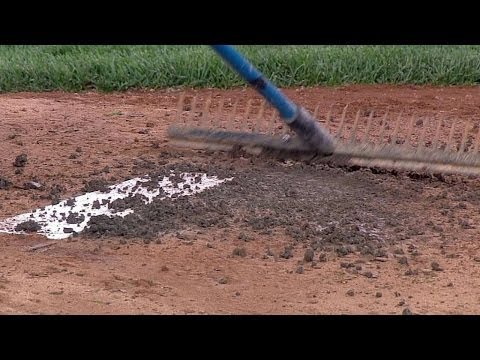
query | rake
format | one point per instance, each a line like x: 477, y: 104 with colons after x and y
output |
x: 366, y: 139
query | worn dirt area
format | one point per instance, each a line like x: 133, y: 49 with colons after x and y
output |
x: 282, y: 237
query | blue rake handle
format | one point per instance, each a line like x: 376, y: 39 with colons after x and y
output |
x: 295, y: 116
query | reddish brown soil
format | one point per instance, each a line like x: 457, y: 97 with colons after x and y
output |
x: 70, y: 139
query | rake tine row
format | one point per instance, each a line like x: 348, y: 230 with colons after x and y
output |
x: 362, y: 127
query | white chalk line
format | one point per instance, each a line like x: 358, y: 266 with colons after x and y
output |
x: 53, y: 218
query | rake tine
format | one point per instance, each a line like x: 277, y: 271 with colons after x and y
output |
x: 421, y: 140
x: 397, y: 127
x: 274, y: 122
x: 231, y: 119
x: 342, y: 122
x: 409, y: 139
x: 247, y: 114
x: 285, y: 130
x: 180, y: 103
x: 450, y: 137
x: 369, y: 126
x: 221, y: 103
x: 328, y: 120
x: 477, y: 141
x: 206, y: 109
x: 315, y: 112
x: 464, y: 139
x: 437, y: 134
x: 355, y: 126
x: 193, y: 106
x: 382, y: 129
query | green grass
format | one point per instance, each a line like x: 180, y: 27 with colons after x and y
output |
x: 108, y: 68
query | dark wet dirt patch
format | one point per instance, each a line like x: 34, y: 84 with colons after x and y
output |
x: 315, y: 205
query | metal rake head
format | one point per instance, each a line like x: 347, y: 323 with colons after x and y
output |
x: 367, y: 137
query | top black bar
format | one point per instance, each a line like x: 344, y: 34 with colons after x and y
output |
x: 201, y: 23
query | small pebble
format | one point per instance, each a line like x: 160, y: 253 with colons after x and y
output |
x: 407, y: 311
x: 436, y: 266
x: 309, y: 254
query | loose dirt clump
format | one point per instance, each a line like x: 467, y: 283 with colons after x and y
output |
x: 28, y: 226
x: 75, y: 218
x: 5, y: 183
x: 129, y: 226
x: 136, y: 201
x: 20, y: 160
x: 96, y: 185
x: 239, y: 251
x: 287, y: 253
x: 407, y: 311
x: 309, y: 255
x: 436, y: 266
x: 55, y: 191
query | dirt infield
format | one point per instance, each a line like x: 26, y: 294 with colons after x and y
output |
x: 282, y: 237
